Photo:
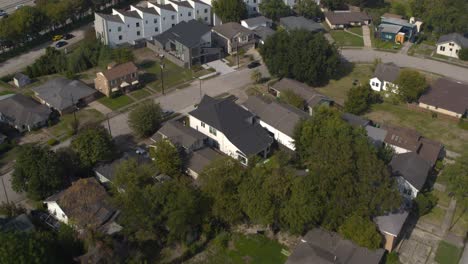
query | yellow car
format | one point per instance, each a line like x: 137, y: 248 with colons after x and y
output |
x: 57, y: 37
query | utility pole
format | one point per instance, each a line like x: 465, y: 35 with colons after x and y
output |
x: 162, y: 75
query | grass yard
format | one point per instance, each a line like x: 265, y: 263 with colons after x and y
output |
x: 140, y: 94
x: 443, y: 130
x: 424, y: 48
x: 84, y: 116
x: 443, y: 198
x: 5, y: 92
x: 343, y: 38
x: 356, y: 30
x: 447, y: 253
x: 435, y: 217
x: 117, y: 102
x: 173, y: 74
x: 460, y: 221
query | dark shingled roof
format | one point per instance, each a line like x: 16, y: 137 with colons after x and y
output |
x: 454, y: 37
x: 430, y: 150
x: 186, y: 33
x: 311, y: 96
x: 345, y: 17
x: 447, y: 94
x: 22, y: 110
x: 229, y: 30
x: 355, y: 120
x: 108, y: 169
x: 387, y: 72
x: 148, y: 10
x: 403, y: 137
x: 120, y: 71
x: 411, y: 167
x: 294, y: 23
x: 61, y: 93
x: 391, y: 223
x: 201, y: 158
x: 263, y: 32
x: 233, y: 121
x: 324, y: 247
x: 182, y: 3
x: 179, y: 134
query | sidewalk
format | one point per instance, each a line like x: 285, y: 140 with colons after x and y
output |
x: 366, y: 36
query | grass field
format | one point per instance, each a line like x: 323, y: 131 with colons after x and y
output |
x: 173, y: 74
x: 447, y: 253
x: 460, y: 221
x: 435, y: 217
x: 84, y: 116
x: 117, y: 102
x: 343, y: 38
x: 140, y: 94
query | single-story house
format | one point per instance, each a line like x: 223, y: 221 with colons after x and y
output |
x: 408, y: 29
x: 23, y: 113
x: 325, y: 247
x: 391, y: 225
x: 450, y: 44
x: 279, y: 119
x: 20, y: 80
x: 311, y: 97
x: 385, y: 75
x: 411, y: 171
x: 120, y: 78
x: 344, y: 19
x: 199, y: 159
x: 181, y: 136
x: 232, y: 36
x: 105, y: 172
x: 446, y: 97
x: 64, y: 95
x: 255, y: 22
x: 262, y: 33
x: 392, y: 33
x: 299, y: 22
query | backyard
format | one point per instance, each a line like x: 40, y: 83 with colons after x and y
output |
x: 447, y: 253
x: 347, y: 39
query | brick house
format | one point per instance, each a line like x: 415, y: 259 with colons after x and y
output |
x: 120, y: 78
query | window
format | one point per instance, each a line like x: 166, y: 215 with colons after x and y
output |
x: 156, y: 29
x: 189, y: 14
x: 254, y: 9
x: 456, y: 51
x: 164, y: 18
x: 133, y: 75
x: 110, y: 29
x: 442, y: 48
x: 138, y: 33
x: 254, y: 1
x: 206, y: 10
x: 137, y: 24
x: 180, y: 14
x: 450, y: 49
x: 206, y: 19
x: 155, y: 20
x: 173, y: 25
x: 451, y: 44
x: 213, y: 131
x: 198, y: 12
x: 128, y: 25
x: 202, y: 124
x: 146, y: 21
x: 119, y: 29
x: 172, y: 17
x: 120, y: 37
x: 242, y: 159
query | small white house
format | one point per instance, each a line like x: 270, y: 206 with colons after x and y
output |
x: 451, y: 44
x: 385, y: 75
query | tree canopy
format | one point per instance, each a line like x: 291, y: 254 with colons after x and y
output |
x: 359, y: 99
x: 362, y: 231
x: 308, y: 9
x: 334, y: 4
x: 93, y: 144
x: 457, y: 177
x: 292, y: 98
x: 301, y: 55
x: 411, y: 84
x: 230, y: 10
x: 274, y: 9
x: 167, y: 158
x: 145, y: 119
x: 463, y: 54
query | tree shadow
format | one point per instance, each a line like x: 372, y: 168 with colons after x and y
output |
x: 125, y: 143
x: 344, y: 69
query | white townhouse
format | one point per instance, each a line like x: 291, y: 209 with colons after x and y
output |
x: 385, y: 75
x: 450, y: 44
x: 147, y: 19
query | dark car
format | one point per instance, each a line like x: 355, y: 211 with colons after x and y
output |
x: 3, y: 13
x: 68, y: 36
x: 60, y: 44
x: 253, y: 65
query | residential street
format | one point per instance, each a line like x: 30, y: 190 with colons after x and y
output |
x: 451, y: 71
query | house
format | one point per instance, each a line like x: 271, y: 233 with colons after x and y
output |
x: 117, y: 79
x: 20, y: 80
x: 344, y: 19
x: 385, y: 75
x: 411, y: 172
x: 255, y: 22
x: 262, y: 33
x: 186, y: 44
x: 181, y: 136
x: 392, y: 33
x: 230, y: 128
x: 450, y: 44
x: 23, y: 113
x: 64, y: 95
x: 299, y: 22
x: 82, y: 205
x: 105, y: 172
x: 325, y: 247
x: 409, y: 30
x: 311, y: 97
x: 199, y: 159
x: 376, y: 135
x: 279, y: 119
x: 391, y: 225
x: 232, y: 36
x: 147, y: 20
x: 446, y: 97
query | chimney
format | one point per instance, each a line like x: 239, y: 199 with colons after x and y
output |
x: 111, y: 65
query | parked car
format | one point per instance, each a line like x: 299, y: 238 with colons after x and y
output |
x: 253, y: 65
x: 57, y: 38
x: 3, y: 13
x: 60, y: 44
x: 140, y: 151
x: 68, y: 36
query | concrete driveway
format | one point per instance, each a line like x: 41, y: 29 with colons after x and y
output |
x: 402, y: 60
x: 6, y: 191
x: 220, y: 67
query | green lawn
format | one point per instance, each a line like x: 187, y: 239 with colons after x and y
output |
x: 6, y: 92
x: 173, y: 74
x: 447, y: 253
x: 117, y: 102
x: 460, y: 221
x: 443, y: 130
x: 356, y: 30
x: 435, y: 217
x: 140, y: 94
x: 83, y: 116
x: 423, y: 48
x: 343, y: 38
x: 385, y: 45
x: 443, y: 198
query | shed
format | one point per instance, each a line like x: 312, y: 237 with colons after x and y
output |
x: 20, y: 80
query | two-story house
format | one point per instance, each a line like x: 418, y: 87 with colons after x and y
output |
x: 230, y: 128
x: 232, y: 37
x: 385, y: 75
x: 117, y: 79
x: 451, y: 44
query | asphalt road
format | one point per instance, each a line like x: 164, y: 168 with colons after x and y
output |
x: 10, y: 5
x: 402, y: 60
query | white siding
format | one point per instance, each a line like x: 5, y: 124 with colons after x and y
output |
x: 55, y: 210
x: 449, y: 49
x: 405, y: 188
x: 279, y: 136
x: 375, y: 84
x: 132, y: 26
x: 150, y: 23
x: 399, y: 150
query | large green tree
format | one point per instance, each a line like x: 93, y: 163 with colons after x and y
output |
x: 308, y: 9
x: 359, y: 99
x: 274, y: 9
x: 93, y: 144
x: 301, y: 55
x: 362, y: 231
x: 167, y: 158
x: 230, y: 10
x: 411, y: 84
x: 457, y: 178
x: 145, y: 119
x: 334, y: 4
x: 38, y: 172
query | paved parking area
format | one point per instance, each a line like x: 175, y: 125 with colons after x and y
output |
x: 10, y: 5
x: 220, y: 67
x: 419, y: 248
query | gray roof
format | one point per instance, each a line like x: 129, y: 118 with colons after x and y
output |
x: 387, y: 72
x: 377, y: 135
x: 233, y: 121
x: 391, y: 223
x: 179, y: 134
x: 201, y: 158
x: 108, y: 169
x: 293, y: 23
x: 454, y: 37
x: 112, y: 18
x: 447, y: 94
x: 411, y: 167
x: 256, y: 21
x: 346, y: 17
x: 397, y: 21
x: 133, y: 14
x: 148, y: 10
x: 354, y: 120
x: 186, y: 33
x: 263, y: 32
x: 388, y: 28
x: 182, y: 3
x: 231, y: 29
x: 22, y: 77
x: 311, y: 96
x: 280, y: 116
x: 323, y: 247
x: 62, y: 93
x: 20, y: 223
x: 22, y: 110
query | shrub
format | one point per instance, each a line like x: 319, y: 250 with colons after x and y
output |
x: 424, y: 203
x: 52, y: 142
x: 463, y: 54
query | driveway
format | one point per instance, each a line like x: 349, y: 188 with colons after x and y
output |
x: 402, y: 60
x: 6, y: 191
x: 220, y: 67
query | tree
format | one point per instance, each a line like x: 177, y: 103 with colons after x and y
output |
x: 457, y: 177
x: 145, y: 119
x: 308, y: 9
x: 359, y: 99
x: 292, y: 98
x: 167, y: 158
x: 334, y: 4
x: 424, y: 203
x: 274, y: 9
x: 38, y: 172
x: 93, y: 144
x: 256, y: 76
x: 362, y: 231
x: 463, y: 54
x: 220, y: 181
x: 301, y: 55
x: 230, y: 10
x: 11, y: 209
x: 411, y: 84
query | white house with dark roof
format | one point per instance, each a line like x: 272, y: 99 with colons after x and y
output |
x: 450, y: 44
x: 180, y: 136
x: 385, y: 75
x: 445, y: 96
x: 411, y: 172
